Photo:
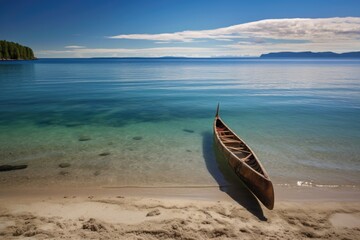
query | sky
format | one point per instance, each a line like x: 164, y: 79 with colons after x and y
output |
x: 187, y: 28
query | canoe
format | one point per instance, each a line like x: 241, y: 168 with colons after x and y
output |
x: 244, y: 162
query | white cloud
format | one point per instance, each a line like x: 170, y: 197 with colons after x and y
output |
x: 316, y: 29
x: 216, y: 51
x: 74, y: 46
x: 138, y: 52
x: 247, y: 39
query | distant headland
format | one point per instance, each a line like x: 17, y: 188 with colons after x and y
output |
x: 15, y: 51
x: 311, y: 55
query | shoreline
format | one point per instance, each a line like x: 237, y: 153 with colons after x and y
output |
x: 176, y: 213
x: 193, y: 192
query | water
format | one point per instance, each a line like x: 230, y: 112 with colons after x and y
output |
x: 152, y: 119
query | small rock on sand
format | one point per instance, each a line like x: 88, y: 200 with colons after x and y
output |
x: 93, y: 225
x: 84, y: 138
x: 104, y: 154
x: 153, y: 213
x: 188, y: 130
x: 18, y: 232
x: 64, y: 165
x: 11, y: 167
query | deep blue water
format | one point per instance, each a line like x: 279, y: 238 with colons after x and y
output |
x: 302, y: 118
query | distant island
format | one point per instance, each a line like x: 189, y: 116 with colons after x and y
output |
x: 15, y: 51
x: 311, y: 55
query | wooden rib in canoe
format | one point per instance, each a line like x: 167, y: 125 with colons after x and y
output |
x: 244, y: 162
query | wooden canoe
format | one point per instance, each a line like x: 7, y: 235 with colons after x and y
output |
x: 244, y: 162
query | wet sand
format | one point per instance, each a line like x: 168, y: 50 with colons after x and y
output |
x: 177, y: 213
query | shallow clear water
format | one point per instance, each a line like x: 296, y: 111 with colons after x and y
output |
x: 302, y: 118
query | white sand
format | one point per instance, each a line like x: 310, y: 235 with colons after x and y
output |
x: 174, y: 214
x: 345, y: 220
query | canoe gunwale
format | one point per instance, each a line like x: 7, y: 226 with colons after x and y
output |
x: 265, y: 175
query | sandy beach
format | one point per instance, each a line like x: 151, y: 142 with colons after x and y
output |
x: 185, y: 120
x: 177, y: 213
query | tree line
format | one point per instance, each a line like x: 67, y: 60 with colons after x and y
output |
x: 12, y: 50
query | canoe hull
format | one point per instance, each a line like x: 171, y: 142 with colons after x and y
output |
x: 258, y: 184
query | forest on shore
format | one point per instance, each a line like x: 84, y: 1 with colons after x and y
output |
x: 15, y: 51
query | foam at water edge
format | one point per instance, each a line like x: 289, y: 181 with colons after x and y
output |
x: 312, y: 184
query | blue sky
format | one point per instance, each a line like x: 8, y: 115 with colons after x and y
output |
x: 89, y: 28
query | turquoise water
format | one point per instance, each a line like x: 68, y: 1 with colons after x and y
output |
x: 152, y: 119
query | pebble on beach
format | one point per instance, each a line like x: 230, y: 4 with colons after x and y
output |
x: 11, y: 167
x: 93, y: 225
x: 64, y: 165
x: 153, y: 213
x: 104, y: 154
x: 84, y: 138
x: 188, y: 130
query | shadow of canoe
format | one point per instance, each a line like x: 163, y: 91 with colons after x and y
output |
x: 227, y: 180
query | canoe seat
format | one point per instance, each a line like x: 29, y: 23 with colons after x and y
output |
x: 237, y: 148
x: 231, y: 141
x: 227, y: 138
x: 246, y: 159
x: 254, y: 165
x: 223, y: 131
x: 226, y: 135
x: 241, y: 153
